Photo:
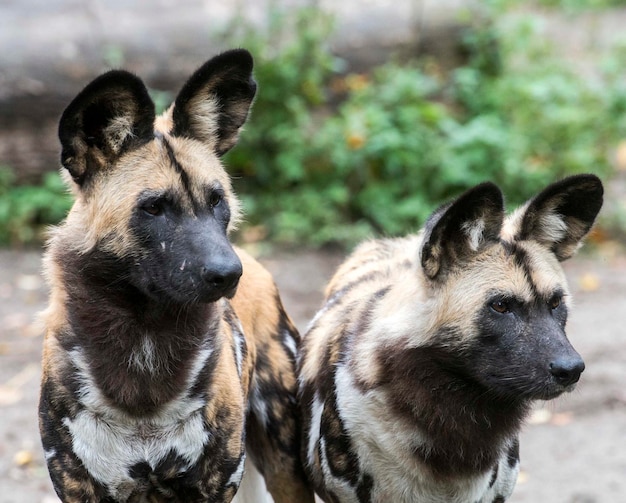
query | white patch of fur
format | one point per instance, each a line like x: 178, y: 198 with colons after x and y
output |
x: 108, y: 441
x: 252, y: 488
x: 235, y: 478
x: 109, y: 446
x: 203, y: 355
x: 553, y: 226
x: 290, y: 343
x: 144, y: 357
x: 118, y: 130
x: 204, y: 114
x: 474, y: 231
x: 505, y: 480
x: 239, y: 343
x: 513, y: 223
x: 316, y: 418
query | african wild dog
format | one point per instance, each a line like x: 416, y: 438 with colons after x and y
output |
x: 155, y: 372
x: 416, y: 374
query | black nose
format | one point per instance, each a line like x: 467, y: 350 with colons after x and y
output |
x: 567, y: 371
x: 222, y: 277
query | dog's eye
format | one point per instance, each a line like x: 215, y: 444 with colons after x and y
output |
x: 500, y: 306
x: 215, y: 199
x: 153, y: 208
x: 554, y: 302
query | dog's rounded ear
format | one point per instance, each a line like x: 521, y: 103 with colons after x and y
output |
x: 214, y: 103
x: 457, y: 231
x: 561, y: 215
x: 111, y: 115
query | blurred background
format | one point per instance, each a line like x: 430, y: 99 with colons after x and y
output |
x: 370, y: 113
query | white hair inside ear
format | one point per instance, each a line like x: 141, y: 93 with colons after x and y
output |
x: 474, y: 230
x: 553, y: 226
x: 119, y: 129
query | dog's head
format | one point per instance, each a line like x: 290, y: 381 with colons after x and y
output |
x: 501, y: 293
x: 151, y: 193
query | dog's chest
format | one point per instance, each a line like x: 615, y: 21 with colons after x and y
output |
x: 123, y: 453
x: 382, y: 454
x: 128, y: 454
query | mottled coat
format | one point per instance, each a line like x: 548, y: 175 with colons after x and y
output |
x: 167, y: 353
x: 419, y: 369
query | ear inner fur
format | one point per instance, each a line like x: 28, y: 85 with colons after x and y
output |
x: 214, y: 103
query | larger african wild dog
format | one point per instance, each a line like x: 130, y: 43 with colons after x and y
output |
x: 152, y: 377
x: 419, y: 369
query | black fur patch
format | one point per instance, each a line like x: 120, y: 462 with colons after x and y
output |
x: 184, y: 177
x: 117, y: 307
x: 364, y: 489
x: 342, y: 460
x: 428, y: 386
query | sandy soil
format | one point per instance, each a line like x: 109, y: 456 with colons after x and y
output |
x: 573, y: 449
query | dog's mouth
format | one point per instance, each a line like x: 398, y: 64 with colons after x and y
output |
x: 191, y: 291
x: 528, y: 389
x: 208, y: 295
x: 552, y: 391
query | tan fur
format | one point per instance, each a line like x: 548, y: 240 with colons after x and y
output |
x: 260, y: 317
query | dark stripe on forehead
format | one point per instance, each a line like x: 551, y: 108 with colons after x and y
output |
x: 184, y: 177
x: 521, y: 259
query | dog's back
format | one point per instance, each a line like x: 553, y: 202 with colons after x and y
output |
x: 273, y: 428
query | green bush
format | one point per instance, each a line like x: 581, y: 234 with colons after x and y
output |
x: 27, y: 210
x: 551, y: 122
x: 403, y: 139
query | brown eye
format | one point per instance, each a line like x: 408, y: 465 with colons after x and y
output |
x: 154, y: 208
x: 500, y: 306
x: 554, y: 302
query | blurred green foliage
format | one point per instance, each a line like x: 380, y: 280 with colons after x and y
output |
x: 27, y: 210
x: 408, y: 136
x: 329, y: 157
x: 577, y: 5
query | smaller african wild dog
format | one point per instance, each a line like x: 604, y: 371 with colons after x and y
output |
x: 157, y: 376
x: 416, y: 374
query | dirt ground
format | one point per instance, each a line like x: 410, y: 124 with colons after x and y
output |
x: 573, y: 449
